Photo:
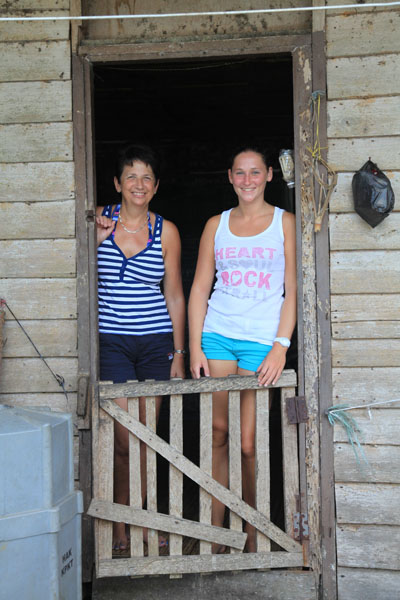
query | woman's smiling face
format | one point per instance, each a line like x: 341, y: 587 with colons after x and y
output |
x: 249, y: 176
x: 137, y: 183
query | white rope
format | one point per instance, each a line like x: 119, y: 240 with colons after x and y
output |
x: 363, y: 406
x: 202, y: 14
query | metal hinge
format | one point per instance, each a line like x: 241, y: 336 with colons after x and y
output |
x: 300, y: 526
x: 296, y: 408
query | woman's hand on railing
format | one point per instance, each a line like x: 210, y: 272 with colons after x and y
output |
x: 272, y: 366
x: 178, y: 366
x: 198, y: 361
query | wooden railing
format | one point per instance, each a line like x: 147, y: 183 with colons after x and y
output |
x: 287, y: 552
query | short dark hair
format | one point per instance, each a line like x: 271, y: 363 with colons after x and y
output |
x: 127, y: 155
x: 251, y: 148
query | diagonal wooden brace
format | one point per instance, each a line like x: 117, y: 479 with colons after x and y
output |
x: 241, y: 508
x: 154, y: 520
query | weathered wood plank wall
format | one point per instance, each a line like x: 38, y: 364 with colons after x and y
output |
x: 363, y: 71
x: 37, y: 205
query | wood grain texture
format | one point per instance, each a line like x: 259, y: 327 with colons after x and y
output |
x: 369, y: 547
x: 18, y: 5
x: 36, y: 142
x: 262, y: 463
x: 383, y: 464
x: 37, y: 258
x: 35, y: 61
x: 135, y: 483
x: 351, y: 232
x: 364, y: 385
x: 368, y: 584
x: 30, y: 375
x: 172, y: 524
x: 47, y: 298
x: 35, y: 101
x: 30, y: 182
x: 366, y: 353
x: 374, y: 308
x: 15, y: 31
x: 350, y: 77
x: 290, y: 463
x: 366, y: 117
x: 205, y: 462
x: 175, y: 476
x: 362, y: 34
x: 365, y: 272
x: 342, y: 197
x: 190, y: 27
x: 189, y: 386
x: 235, y: 456
x: 56, y: 401
x: 379, y: 426
x: 367, y: 330
x: 37, y: 220
x: 51, y: 337
x: 368, y: 503
x: 350, y: 154
x: 165, y: 565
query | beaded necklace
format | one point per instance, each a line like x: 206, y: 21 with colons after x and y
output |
x: 116, y: 217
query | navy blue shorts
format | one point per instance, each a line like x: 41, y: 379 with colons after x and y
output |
x: 125, y: 357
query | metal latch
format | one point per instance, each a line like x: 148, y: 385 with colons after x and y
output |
x: 296, y: 408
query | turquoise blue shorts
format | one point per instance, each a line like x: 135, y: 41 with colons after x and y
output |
x: 249, y: 355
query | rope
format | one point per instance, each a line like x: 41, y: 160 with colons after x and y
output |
x: 60, y: 380
x: 337, y: 415
x: 203, y: 14
x: 327, y: 179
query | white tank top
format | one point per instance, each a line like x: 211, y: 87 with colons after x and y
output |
x: 247, y: 298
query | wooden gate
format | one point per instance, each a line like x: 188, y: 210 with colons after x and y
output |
x: 276, y: 548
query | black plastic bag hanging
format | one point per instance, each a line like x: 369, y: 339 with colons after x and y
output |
x: 372, y: 193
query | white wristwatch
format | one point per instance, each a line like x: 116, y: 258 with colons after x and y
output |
x: 283, y: 341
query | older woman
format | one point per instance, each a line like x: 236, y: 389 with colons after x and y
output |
x: 141, y: 329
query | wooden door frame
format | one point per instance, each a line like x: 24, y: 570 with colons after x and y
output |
x: 313, y: 273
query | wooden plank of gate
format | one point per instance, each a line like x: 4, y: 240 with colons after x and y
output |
x: 164, y: 565
x: 213, y: 487
x: 103, y: 453
x: 205, y: 463
x: 135, y: 485
x: 290, y: 460
x: 189, y: 386
x: 175, y: 476
x: 235, y: 457
x: 262, y: 463
x: 151, y: 477
x: 145, y: 518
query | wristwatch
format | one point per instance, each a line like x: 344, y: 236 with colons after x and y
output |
x: 283, y: 341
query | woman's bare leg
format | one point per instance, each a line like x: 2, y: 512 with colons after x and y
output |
x: 220, y: 368
x: 248, y: 424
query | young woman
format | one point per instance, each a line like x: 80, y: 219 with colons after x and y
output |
x: 141, y: 330
x: 246, y: 325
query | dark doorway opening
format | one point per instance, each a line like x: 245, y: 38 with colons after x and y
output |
x: 195, y: 113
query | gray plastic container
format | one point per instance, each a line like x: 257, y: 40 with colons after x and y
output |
x: 40, y: 513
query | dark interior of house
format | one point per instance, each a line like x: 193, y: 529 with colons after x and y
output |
x: 195, y: 113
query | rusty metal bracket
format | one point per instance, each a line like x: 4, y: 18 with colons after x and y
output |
x: 296, y: 408
x: 301, y: 529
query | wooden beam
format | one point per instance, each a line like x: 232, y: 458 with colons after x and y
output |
x: 192, y: 49
x: 171, y: 523
x: 189, y: 386
x: 165, y: 565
